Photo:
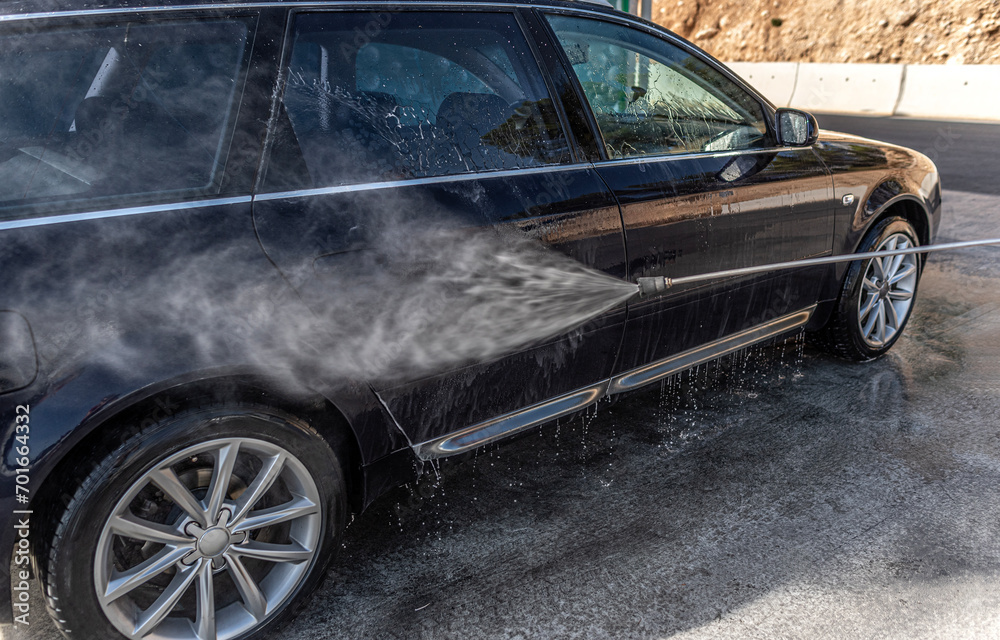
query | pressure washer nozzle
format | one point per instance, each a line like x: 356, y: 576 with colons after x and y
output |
x: 654, y: 285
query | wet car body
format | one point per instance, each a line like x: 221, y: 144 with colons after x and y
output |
x: 94, y: 286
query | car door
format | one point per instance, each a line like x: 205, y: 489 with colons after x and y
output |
x: 422, y: 157
x: 691, y: 156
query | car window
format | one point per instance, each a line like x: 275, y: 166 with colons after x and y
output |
x: 652, y: 97
x: 108, y: 111
x: 420, y: 94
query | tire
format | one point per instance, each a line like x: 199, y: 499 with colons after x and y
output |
x: 153, y: 545
x: 872, y: 310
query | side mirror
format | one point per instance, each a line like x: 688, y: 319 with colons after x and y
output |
x: 796, y: 128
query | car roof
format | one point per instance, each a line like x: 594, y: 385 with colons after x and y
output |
x: 9, y: 9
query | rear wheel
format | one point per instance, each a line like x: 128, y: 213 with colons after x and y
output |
x: 877, y: 295
x: 214, y: 524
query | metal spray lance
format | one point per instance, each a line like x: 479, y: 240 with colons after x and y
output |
x: 655, y: 285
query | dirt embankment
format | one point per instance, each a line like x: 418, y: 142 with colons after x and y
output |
x: 907, y: 31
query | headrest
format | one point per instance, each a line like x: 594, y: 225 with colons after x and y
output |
x: 482, y: 111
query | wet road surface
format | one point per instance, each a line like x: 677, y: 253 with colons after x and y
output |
x: 779, y: 493
x: 965, y: 152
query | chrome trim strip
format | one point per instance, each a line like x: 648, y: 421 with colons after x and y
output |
x: 485, y: 432
x: 707, y: 352
x: 234, y: 6
x: 458, y: 177
x: 79, y: 13
x: 117, y: 213
x: 688, y: 156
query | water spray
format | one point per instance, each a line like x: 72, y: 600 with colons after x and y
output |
x: 656, y: 285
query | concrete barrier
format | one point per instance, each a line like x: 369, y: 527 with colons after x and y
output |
x: 957, y: 92
x: 948, y: 91
x: 776, y: 80
x: 848, y: 88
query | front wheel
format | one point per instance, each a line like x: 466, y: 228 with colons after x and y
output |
x: 213, y: 525
x: 877, y: 295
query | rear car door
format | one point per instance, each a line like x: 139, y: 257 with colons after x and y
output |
x: 412, y: 150
x: 690, y: 155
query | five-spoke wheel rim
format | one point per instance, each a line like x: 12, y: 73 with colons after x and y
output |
x: 887, y: 292
x: 209, y: 543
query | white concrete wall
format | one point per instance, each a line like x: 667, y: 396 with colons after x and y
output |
x: 776, y: 80
x: 951, y: 92
x: 848, y: 88
x: 957, y: 92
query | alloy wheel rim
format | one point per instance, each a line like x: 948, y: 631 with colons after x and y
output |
x: 887, y: 292
x: 209, y: 543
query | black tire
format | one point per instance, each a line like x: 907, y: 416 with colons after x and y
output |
x: 845, y: 334
x: 130, y: 481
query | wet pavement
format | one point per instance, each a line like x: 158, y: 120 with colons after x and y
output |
x: 964, y: 152
x: 779, y: 493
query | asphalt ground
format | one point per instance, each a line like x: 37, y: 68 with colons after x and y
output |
x: 965, y: 152
x: 779, y: 493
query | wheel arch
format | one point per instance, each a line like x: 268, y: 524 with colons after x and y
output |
x: 906, y: 206
x: 158, y: 403
x: 883, y: 202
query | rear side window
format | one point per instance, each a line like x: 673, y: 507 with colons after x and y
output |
x: 372, y: 97
x: 109, y: 111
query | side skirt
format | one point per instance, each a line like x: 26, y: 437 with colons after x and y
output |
x: 494, y: 429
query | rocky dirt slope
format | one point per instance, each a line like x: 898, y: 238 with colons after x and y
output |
x: 907, y: 31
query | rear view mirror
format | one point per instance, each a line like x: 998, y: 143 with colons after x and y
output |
x: 796, y: 128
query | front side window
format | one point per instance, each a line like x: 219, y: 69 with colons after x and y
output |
x: 373, y: 97
x: 104, y: 112
x: 650, y: 97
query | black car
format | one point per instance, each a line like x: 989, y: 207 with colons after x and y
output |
x: 261, y: 261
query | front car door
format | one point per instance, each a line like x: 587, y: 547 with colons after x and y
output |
x: 703, y: 186
x: 410, y: 162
